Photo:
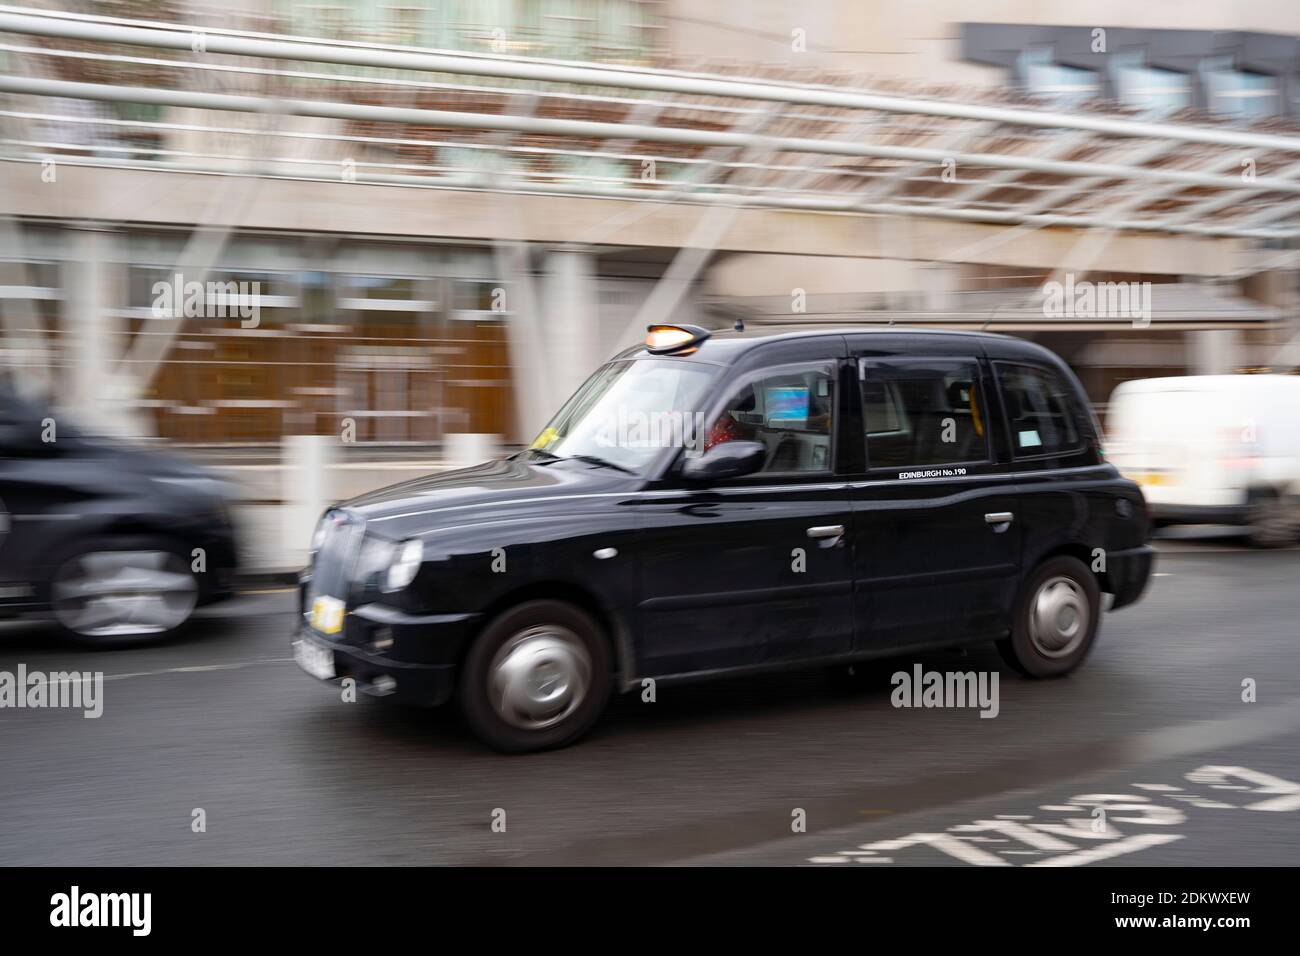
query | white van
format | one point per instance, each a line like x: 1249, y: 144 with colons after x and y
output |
x: 1213, y: 449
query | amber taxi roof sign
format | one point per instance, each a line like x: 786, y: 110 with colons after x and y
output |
x: 667, y: 339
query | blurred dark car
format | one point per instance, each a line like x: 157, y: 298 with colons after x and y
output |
x: 118, y: 543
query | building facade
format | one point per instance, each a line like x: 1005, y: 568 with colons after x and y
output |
x: 406, y: 314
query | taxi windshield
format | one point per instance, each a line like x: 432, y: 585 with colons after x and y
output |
x: 627, y: 412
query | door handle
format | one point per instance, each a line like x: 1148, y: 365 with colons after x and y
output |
x: 999, y: 517
x: 826, y: 531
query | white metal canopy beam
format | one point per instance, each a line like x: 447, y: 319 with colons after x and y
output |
x: 602, y: 130
x: 44, y: 23
x: 796, y: 203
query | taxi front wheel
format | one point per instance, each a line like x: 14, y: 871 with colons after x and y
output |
x: 1056, y: 619
x: 537, y: 677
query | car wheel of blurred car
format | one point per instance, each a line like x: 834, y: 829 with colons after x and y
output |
x: 116, y: 592
x: 1272, y: 522
x: 1056, y: 619
x: 536, y: 678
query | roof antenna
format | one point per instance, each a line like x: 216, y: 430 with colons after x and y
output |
x: 739, y: 325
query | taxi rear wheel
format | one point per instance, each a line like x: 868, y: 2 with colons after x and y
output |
x: 537, y: 677
x: 1056, y: 619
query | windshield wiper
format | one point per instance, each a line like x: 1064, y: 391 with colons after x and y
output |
x: 543, y: 454
x: 603, y: 463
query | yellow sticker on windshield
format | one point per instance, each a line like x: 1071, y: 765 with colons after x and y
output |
x: 547, y: 436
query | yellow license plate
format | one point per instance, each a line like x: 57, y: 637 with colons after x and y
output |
x: 327, y: 615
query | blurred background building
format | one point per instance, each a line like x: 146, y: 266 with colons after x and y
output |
x: 454, y: 209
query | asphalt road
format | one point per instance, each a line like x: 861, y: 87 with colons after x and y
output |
x: 285, y: 772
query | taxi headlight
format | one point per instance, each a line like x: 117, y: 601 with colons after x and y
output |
x: 402, y: 571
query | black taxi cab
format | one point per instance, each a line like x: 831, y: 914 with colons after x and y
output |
x: 712, y: 503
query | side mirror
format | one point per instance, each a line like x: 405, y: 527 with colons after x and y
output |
x: 730, y: 459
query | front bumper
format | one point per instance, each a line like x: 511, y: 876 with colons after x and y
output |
x: 1127, y: 573
x: 408, y: 658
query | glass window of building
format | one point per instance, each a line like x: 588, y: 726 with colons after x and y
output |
x: 1153, y: 90
x: 479, y: 299
x: 31, y: 285
x: 1239, y: 93
x: 1063, y: 85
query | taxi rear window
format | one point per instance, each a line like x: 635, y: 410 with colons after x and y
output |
x: 921, y: 412
x: 1042, y: 412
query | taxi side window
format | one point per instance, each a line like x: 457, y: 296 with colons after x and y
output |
x: 790, y: 412
x: 922, y: 412
x: 1040, y: 411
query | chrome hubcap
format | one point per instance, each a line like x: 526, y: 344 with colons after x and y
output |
x: 1058, y: 617
x: 539, y: 677
x: 110, y: 593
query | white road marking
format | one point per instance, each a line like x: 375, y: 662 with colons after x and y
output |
x: 953, y: 846
x: 201, y: 668
x: 960, y: 841
x: 1107, y: 850
x: 1203, y: 803
x: 1266, y: 783
x: 1016, y: 831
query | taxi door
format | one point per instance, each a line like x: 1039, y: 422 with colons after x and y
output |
x: 758, y: 569
x: 934, y: 511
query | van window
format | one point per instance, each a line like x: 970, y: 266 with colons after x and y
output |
x: 1041, y: 411
x: 922, y: 411
x: 790, y: 411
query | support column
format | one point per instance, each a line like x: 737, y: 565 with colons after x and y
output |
x: 95, y: 336
x: 1215, y: 351
x: 571, y: 329
x: 306, y: 480
x: 525, y: 344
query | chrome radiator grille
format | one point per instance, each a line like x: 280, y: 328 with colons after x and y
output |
x: 332, y: 571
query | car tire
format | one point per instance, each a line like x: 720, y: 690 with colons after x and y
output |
x: 1272, y: 523
x: 536, y: 678
x: 1056, y: 619
x: 122, y: 591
